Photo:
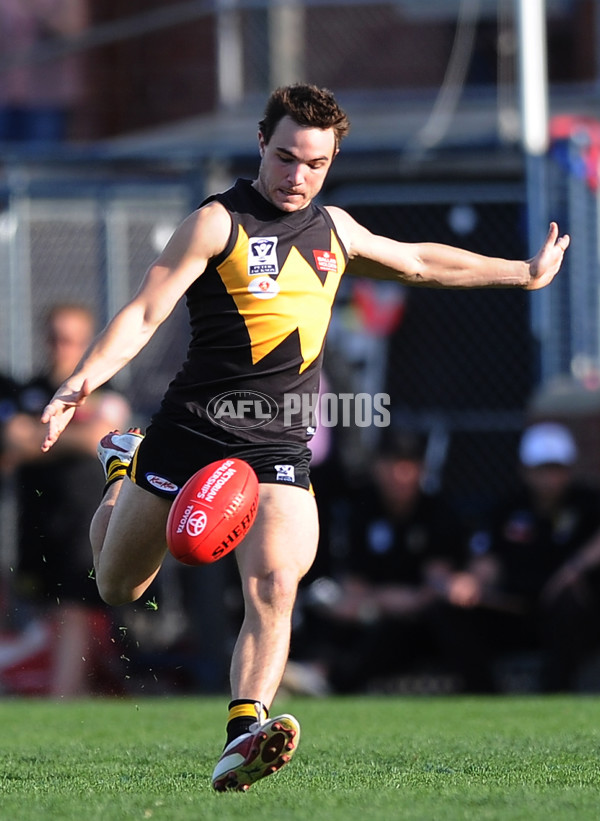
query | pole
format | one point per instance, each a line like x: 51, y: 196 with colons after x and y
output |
x: 533, y: 86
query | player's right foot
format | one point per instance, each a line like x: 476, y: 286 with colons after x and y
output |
x: 260, y: 752
x: 118, y: 447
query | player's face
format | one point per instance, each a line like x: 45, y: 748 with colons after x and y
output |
x: 294, y: 164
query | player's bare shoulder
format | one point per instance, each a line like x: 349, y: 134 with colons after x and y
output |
x: 351, y: 232
x: 211, y: 226
x: 203, y: 234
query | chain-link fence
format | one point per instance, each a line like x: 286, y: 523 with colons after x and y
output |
x: 68, y: 237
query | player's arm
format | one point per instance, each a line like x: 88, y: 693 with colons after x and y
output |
x: 203, y: 235
x: 434, y: 265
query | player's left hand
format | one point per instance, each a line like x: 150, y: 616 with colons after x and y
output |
x: 546, y: 263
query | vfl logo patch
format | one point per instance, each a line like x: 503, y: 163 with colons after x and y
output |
x: 262, y: 256
x: 160, y: 483
x: 326, y: 261
x: 264, y: 288
x: 285, y: 473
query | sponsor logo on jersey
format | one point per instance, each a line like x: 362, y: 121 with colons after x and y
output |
x: 160, y: 483
x: 285, y: 473
x: 264, y: 288
x: 326, y: 261
x: 262, y: 256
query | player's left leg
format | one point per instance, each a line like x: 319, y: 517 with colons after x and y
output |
x: 274, y: 556
x: 272, y: 559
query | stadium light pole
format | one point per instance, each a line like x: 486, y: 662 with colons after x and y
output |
x: 533, y: 87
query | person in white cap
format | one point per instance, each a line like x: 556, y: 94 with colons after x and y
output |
x: 535, y: 584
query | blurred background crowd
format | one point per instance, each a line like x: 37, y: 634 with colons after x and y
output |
x: 460, y: 546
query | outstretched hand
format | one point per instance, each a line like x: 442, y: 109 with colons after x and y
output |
x: 60, y: 410
x: 546, y: 263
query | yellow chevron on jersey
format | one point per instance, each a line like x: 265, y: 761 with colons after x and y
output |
x: 299, y: 301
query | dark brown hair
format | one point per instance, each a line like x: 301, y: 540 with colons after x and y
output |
x: 307, y: 105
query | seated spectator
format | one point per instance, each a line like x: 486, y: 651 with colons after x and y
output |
x: 535, y: 581
x: 380, y: 617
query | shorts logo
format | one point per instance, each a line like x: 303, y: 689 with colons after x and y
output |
x: 196, y: 523
x: 160, y: 483
x: 285, y: 473
x: 264, y: 288
x: 326, y: 261
x: 262, y: 256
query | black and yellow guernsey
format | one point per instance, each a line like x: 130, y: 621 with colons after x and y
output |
x: 259, y: 315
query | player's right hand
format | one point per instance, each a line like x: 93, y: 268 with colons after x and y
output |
x: 59, y: 411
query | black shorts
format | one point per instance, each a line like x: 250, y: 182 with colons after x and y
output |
x: 169, y: 454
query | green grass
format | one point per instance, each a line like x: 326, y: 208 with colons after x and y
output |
x: 360, y: 759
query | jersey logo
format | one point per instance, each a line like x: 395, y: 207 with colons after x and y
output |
x: 262, y: 256
x: 300, y: 300
x: 326, y: 261
x: 264, y: 288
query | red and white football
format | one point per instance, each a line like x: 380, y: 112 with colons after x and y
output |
x: 213, y: 512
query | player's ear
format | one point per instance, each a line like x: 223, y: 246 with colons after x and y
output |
x: 261, y: 144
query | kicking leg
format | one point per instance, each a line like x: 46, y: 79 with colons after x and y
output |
x: 128, y: 535
x: 127, y: 532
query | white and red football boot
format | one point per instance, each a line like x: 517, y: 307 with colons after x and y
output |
x: 262, y: 751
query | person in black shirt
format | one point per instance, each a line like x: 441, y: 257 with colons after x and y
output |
x: 405, y: 545
x: 536, y: 569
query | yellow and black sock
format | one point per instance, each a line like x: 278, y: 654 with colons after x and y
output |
x: 116, y: 469
x: 242, y: 713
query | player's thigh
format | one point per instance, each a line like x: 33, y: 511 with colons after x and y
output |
x: 135, y: 542
x: 285, y: 533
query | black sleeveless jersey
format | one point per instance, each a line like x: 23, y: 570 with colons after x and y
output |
x: 259, y: 315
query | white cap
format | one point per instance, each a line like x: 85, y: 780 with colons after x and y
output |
x: 547, y: 444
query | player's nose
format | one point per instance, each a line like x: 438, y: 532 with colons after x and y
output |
x: 295, y: 174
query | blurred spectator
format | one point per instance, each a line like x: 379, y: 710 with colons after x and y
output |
x: 17, y: 442
x: 37, y: 96
x: 69, y: 328
x: 9, y: 402
x: 56, y: 499
x: 535, y: 581
x: 380, y: 617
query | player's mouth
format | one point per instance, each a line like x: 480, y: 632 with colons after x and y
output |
x: 295, y: 198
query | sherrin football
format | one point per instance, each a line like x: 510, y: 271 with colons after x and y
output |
x: 213, y: 512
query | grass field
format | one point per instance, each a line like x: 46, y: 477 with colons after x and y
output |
x: 360, y: 759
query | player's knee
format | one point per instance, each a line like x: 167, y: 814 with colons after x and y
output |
x: 115, y: 592
x: 277, y: 590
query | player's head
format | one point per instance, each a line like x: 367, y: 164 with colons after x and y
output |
x: 308, y: 106
x: 298, y: 138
